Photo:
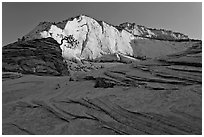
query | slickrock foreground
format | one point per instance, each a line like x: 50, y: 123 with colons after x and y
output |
x: 162, y: 95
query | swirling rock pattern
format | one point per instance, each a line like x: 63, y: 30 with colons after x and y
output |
x: 157, y: 96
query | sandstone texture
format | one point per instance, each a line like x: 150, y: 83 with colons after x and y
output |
x: 156, y: 96
x: 39, y: 56
x: 82, y: 76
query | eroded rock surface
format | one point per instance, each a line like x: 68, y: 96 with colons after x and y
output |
x: 39, y: 56
x: 157, y: 96
x: 159, y: 34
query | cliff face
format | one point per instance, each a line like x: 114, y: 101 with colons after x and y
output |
x: 95, y: 38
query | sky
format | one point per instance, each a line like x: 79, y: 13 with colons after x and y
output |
x: 20, y: 18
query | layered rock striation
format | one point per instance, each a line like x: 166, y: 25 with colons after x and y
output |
x: 39, y: 57
x: 151, y: 33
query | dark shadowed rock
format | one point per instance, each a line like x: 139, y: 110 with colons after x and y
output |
x: 39, y: 56
x: 104, y: 83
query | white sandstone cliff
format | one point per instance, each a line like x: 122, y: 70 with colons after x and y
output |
x: 94, y: 39
x: 98, y: 38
